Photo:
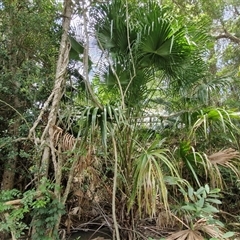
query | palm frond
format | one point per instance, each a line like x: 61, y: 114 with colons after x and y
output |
x: 65, y: 140
x: 199, y: 231
x: 185, y: 235
x: 223, y: 156
x: 228, y: 158
x: 149, y: 182
x: 149, y: 40
x: 211, y: 121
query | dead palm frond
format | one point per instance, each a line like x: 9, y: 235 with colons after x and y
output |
x: 65, y: 139
x: 186, y: 234
x: 225, y: 158
x: 199, y: 230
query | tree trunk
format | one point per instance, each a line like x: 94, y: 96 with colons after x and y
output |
x: 47, y: 138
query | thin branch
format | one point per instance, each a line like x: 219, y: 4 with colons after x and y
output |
x: 45, y: 106
x: 130, y: 51
x: 115, y: 188
x: 229, y: 36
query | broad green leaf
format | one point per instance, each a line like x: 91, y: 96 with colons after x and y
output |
x: 200, y: 202
x: 207, y: 188
x: 200, y: 191
x: 190, y: 193
x: 228, y: 234
x: 212, y: 200
x: 213, y: 195
x: 189, y: 208
x: 210, y: 209
x: 215, y: 190
x: 171, y: 180
x: 204, y: 194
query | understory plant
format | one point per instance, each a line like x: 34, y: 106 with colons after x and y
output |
x: 34, y: 211
x: 198, y: 216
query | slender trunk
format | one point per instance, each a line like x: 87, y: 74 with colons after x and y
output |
x: 115, y: 223
x: 59, y: 85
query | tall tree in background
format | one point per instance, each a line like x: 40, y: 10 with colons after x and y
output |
x: 222, y: 20
x: 28, y: 53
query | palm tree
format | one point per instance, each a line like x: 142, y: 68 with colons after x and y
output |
x: 143, y: 42
x: 142, y: 45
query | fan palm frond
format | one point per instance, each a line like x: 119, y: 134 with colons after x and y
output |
x: 150, y: 39
x: 228, y: 158
x: 223, y: 156
x: 185, y: 235
x: 199, y: 231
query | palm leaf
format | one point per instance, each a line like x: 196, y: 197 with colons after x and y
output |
x: 64, y: 140
x: 212, y: 120
x: 200, y: 228
x: 223, y: 156
x: 149, y: 178
x: 149, y: 39
x: 187, y: 234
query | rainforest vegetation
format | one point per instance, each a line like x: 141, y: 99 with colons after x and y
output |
x: 122, y: 115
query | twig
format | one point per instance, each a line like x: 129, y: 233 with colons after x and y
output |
x: 45, y: 106
x: 180, y: 221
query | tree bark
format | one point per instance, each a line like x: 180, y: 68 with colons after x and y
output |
x: 58, y: 90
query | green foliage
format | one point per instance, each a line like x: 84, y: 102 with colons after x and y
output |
x: 150, y: 41
x: 77, y: 50
x: 40, y: 205
x: 150, y: 170
x: 147, y: 51
x: 46, y: 215
x: 200, y: 215
x: 13, y: 220
x: 200, y: 203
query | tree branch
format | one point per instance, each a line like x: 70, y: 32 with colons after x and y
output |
x: 229, y: 36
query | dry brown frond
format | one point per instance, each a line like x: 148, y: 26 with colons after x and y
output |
x: 200, y: 227
x: 212, y: 230
x: 223, y: 156
x: 66, y: 140
x: 187, y: 234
